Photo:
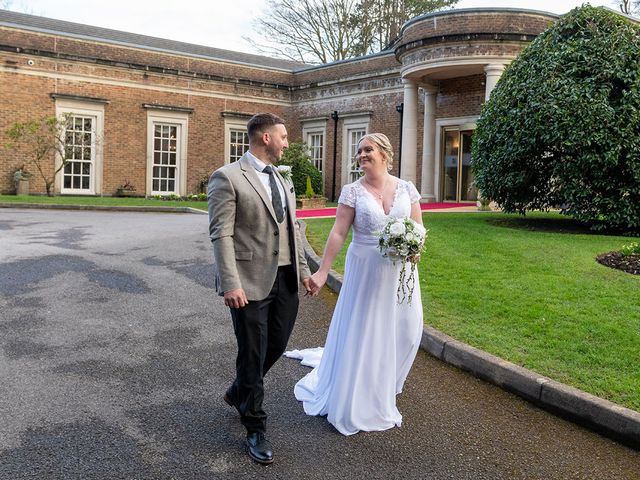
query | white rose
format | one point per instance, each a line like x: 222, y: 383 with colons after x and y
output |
x: 397, y: 229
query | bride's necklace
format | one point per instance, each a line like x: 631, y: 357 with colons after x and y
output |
x: 378, y: 193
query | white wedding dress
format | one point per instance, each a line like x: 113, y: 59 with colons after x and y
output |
x: 372, y: 341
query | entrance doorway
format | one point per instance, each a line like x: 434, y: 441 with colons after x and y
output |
x: 458, y: 182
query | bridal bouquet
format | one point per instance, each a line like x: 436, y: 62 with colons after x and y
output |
x: 401, y: 240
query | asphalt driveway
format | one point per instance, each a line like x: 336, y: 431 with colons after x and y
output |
x: 115, y: 351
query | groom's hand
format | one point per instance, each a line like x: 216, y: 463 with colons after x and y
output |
x: 235, y: 298
x: 307, y: 286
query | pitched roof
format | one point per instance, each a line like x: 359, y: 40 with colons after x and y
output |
x: 117, y: 37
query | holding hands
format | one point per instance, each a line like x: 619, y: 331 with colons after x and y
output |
x: 315, y: 283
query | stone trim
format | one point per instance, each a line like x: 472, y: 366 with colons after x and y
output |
x: 465, y: 37
x: 78, y: 98
x: 230, y: 114
x: 171, y: 108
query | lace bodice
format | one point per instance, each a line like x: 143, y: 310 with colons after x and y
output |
x: 370, y: 218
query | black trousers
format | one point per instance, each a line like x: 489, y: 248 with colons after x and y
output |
x: 262, y: 330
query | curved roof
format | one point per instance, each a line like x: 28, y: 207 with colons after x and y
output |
x: 456, y: 11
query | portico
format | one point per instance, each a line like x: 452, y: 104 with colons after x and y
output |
x: 448, y: 71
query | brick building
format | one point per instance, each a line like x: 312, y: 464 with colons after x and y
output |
x: 163, y: 115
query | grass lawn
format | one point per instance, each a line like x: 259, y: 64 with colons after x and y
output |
x: 122, y: 201
x: 530, y: 291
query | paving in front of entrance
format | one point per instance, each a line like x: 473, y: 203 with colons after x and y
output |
x: 115, y: 352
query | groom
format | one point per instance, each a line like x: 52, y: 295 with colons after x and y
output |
x: 259, y: 262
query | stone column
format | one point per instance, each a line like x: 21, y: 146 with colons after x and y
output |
x: 493, y: 72
x: 429, y: 144
x: 409, y: 130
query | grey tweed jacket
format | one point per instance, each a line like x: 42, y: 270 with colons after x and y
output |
x: 244, y: 231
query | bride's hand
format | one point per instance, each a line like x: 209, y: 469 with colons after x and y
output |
x: 316, y: 282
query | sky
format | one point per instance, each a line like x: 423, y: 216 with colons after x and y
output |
x: 215, y: 23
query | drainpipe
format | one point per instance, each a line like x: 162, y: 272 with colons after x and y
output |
x: 400, y: 110
x: 334, y: 115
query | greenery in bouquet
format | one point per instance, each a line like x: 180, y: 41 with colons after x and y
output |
x: 402, y: 240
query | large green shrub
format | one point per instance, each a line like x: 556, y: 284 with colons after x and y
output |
x: 297, y: 157
x: 562, y: 127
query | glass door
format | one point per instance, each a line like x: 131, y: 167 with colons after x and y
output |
x: 450, y: 165
x: 468, y: 190
x: 79, y: 151
x: 165, y: 159
x: 458, y: 181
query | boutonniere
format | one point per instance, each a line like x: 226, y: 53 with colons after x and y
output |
x: 285, y: 171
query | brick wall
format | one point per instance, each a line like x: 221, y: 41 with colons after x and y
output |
x: 460, y: 97
x: 23, y: 99
x: 26, y: 96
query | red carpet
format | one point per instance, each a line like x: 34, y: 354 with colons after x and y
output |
x: 331, y: 211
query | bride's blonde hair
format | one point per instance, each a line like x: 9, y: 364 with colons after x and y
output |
x: 383, y: 143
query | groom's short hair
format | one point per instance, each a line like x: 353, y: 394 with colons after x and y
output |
x: 260, y: 123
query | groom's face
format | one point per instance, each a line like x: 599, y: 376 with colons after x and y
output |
x: 276, y: 142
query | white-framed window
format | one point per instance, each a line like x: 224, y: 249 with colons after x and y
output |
x: 354, y: 135
x: 315, y: 141
x: 313, y: 134
x: 165, y: 158
x: 166, y: 152
x: 353, y: 129
x: 236, y: 141
x: 238, y: 144
x: 83, y: 131
x: 79, y: 148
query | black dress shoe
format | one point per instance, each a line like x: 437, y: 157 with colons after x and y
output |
x: 259, y: 448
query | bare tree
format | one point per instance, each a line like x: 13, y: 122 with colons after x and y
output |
x: 322, y: 31
x: 383, y: 19
x: 628, y: 6
x: 16, y: 7
x: 308, y: 30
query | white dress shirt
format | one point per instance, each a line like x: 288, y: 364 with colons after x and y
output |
x: 259, y: 165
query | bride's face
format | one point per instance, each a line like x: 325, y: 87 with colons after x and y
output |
x: 370, y: 158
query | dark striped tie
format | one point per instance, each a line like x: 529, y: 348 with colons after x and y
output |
x: 276, y: 201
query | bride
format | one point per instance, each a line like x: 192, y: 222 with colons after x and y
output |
x: 372, y: 340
